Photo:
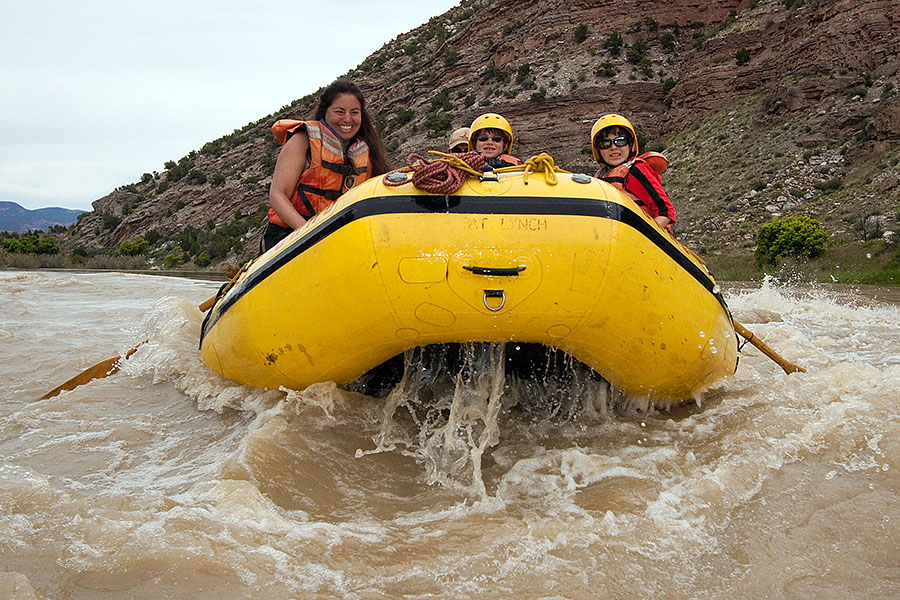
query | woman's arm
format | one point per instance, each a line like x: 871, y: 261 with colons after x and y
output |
x: 290, y: 165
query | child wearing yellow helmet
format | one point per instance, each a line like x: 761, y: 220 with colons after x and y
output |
x: 615, y: 148
x: 491, y: 135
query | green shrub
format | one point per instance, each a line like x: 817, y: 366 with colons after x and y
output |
x: 196, y: 177
x: 172, y: 260
x: 29, y: 243
x: 111, y: 221
x: 438, y: 124
x: 213, y: 148
x: 742, y: 57
x: 606, y: 69
x: 581, y: 33
x: 441, y: 101
x: 832, y: 185
x: 153, y: 236
x: 523, y: 73
x: 134, y: 247
x: 795, y: 236
x: 403, y: 116
x: 699, y: 40
x: 178, y: 170
x: 512, y: 27
x: 637, y: 52
x: 613, y: 43
x: 667, y: 42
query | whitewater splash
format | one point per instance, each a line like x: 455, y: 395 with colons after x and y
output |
x: 444, y: 412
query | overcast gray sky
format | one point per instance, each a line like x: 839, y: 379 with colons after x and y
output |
x: 97, y: 92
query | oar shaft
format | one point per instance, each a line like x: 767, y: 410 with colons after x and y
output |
x: 785, y: 364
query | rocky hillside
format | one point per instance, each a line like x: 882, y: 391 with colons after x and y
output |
x: 764, y: 108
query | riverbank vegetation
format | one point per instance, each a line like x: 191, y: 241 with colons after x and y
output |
x: 193, y: 249
x: 791, y: 248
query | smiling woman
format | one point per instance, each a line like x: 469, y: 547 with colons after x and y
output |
x: 322, y: 159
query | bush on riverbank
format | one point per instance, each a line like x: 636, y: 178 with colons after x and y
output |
x: 791, y: 237
x: 35, y: 242
x: 875, y: 262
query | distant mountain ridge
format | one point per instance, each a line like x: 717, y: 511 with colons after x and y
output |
x: 16, y: 218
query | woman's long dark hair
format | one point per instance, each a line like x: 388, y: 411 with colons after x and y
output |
x: 377, y: 152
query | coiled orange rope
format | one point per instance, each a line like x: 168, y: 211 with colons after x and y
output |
x: 443, y: 176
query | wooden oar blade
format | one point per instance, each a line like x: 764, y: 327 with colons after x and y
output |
x: 100, y: 370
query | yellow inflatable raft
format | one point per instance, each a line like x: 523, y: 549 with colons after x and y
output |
x: 558, y: 259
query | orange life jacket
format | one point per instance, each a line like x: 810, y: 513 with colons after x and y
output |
x: 330, y: 171
x: 616, y: 175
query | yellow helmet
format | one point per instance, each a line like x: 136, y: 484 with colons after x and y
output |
x: 609, y: 121
x: 490, y: 121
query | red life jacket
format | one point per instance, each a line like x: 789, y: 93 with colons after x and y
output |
x: 330, y: 171
x: 618, y: 174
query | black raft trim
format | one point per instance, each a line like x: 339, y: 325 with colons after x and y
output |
x: 483, y: 205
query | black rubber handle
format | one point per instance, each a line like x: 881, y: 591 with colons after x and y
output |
x: 495, y: 271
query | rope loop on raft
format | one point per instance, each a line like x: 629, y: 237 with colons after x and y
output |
x: 539, y: 163
x: 444, y: 176
x: 542, y: 163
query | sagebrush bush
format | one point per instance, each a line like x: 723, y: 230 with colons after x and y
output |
x: 795, y: 236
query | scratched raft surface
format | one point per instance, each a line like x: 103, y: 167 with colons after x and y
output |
x: 573, y: 265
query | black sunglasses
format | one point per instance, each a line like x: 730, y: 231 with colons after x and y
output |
x: 497, y: 139
x: 619, y: 141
